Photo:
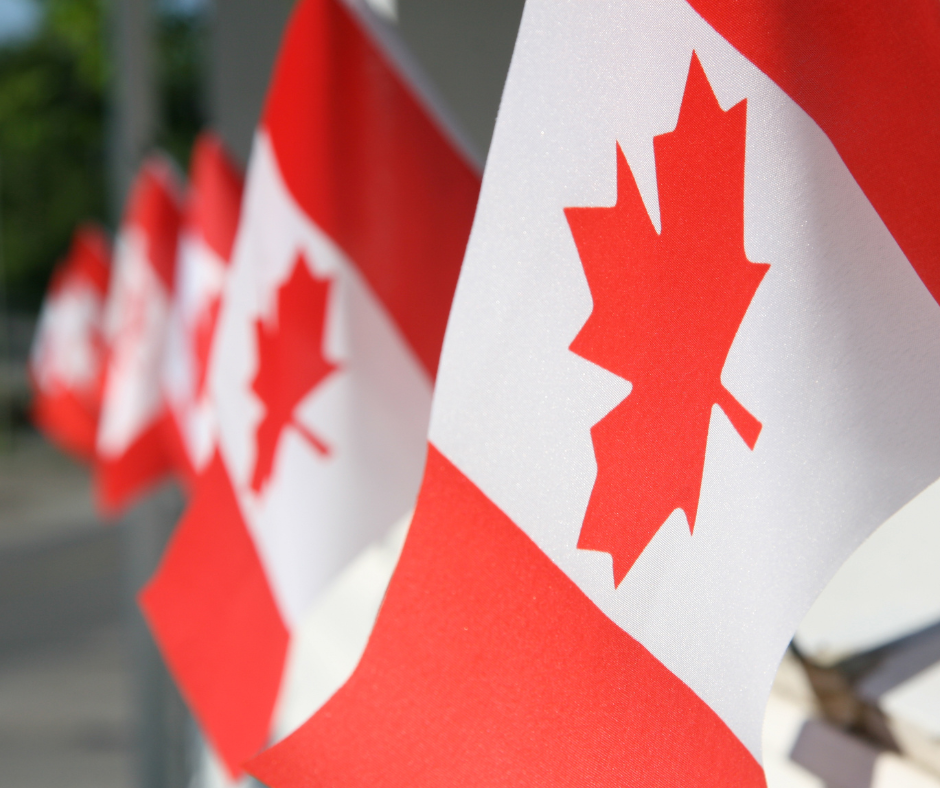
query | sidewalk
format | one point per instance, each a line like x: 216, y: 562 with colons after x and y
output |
x: 65, y: 687
x: 65, y: 716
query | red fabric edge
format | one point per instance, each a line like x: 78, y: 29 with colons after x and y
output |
x: 155, y: 207
x: 67, y: 421
x: 215, y: 619
x: 216, y: 185
x: 119, y: 481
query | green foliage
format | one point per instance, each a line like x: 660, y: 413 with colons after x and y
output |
x: 53, y: 131
x: 52, y: 155
x: 180, y: 66
x: 79, y: 25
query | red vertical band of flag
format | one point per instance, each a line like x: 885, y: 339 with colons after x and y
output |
x: 89, y: 258
x: 215, y: 195
x: 154, y: 210
x: 371, y: 169
x: 177, y: 456
x: 212, y: 613
x: 488, y: 666
x: 154, y: 207
x: 145, y: 463
x: 868, y: 72
x: 66, y: 420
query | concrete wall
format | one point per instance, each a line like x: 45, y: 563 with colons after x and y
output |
x: 244, y: 39
x: 464, y: 45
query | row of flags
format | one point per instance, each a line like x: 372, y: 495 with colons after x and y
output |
x: 689, y: 366
x: 274, y: 345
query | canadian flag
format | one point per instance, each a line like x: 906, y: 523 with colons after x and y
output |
x: 132, y: 450
x: 693, y: 361
x: 205, y: 246
x: 358, y: 205
x: 66, y: 363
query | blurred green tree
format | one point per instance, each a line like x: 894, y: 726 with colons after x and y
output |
x: 181, y: 53
x: 53, y: 130
x: 52, y: 135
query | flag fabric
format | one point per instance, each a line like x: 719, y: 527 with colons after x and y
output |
x: 66, y: 363
x: 205, y: 246
x: 328, y: 642
x: 132, y: 449
x: 358, y: 204
x: 692, y: 363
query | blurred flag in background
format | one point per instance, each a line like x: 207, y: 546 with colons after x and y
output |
x: 205, y: 247
x: 66, y: 364
x: 132, y: 450
x: 358, y: 206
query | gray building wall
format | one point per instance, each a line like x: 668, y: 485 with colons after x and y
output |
x: 244, y: 39
x: 464, y: 46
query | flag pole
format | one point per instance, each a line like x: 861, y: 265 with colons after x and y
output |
x: 164, y: 729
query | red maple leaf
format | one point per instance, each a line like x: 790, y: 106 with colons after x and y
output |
x: 667, y: 307
x: 290, y: 363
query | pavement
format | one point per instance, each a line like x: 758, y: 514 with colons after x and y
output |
x: 65, y: 715
x: 66, y: 688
